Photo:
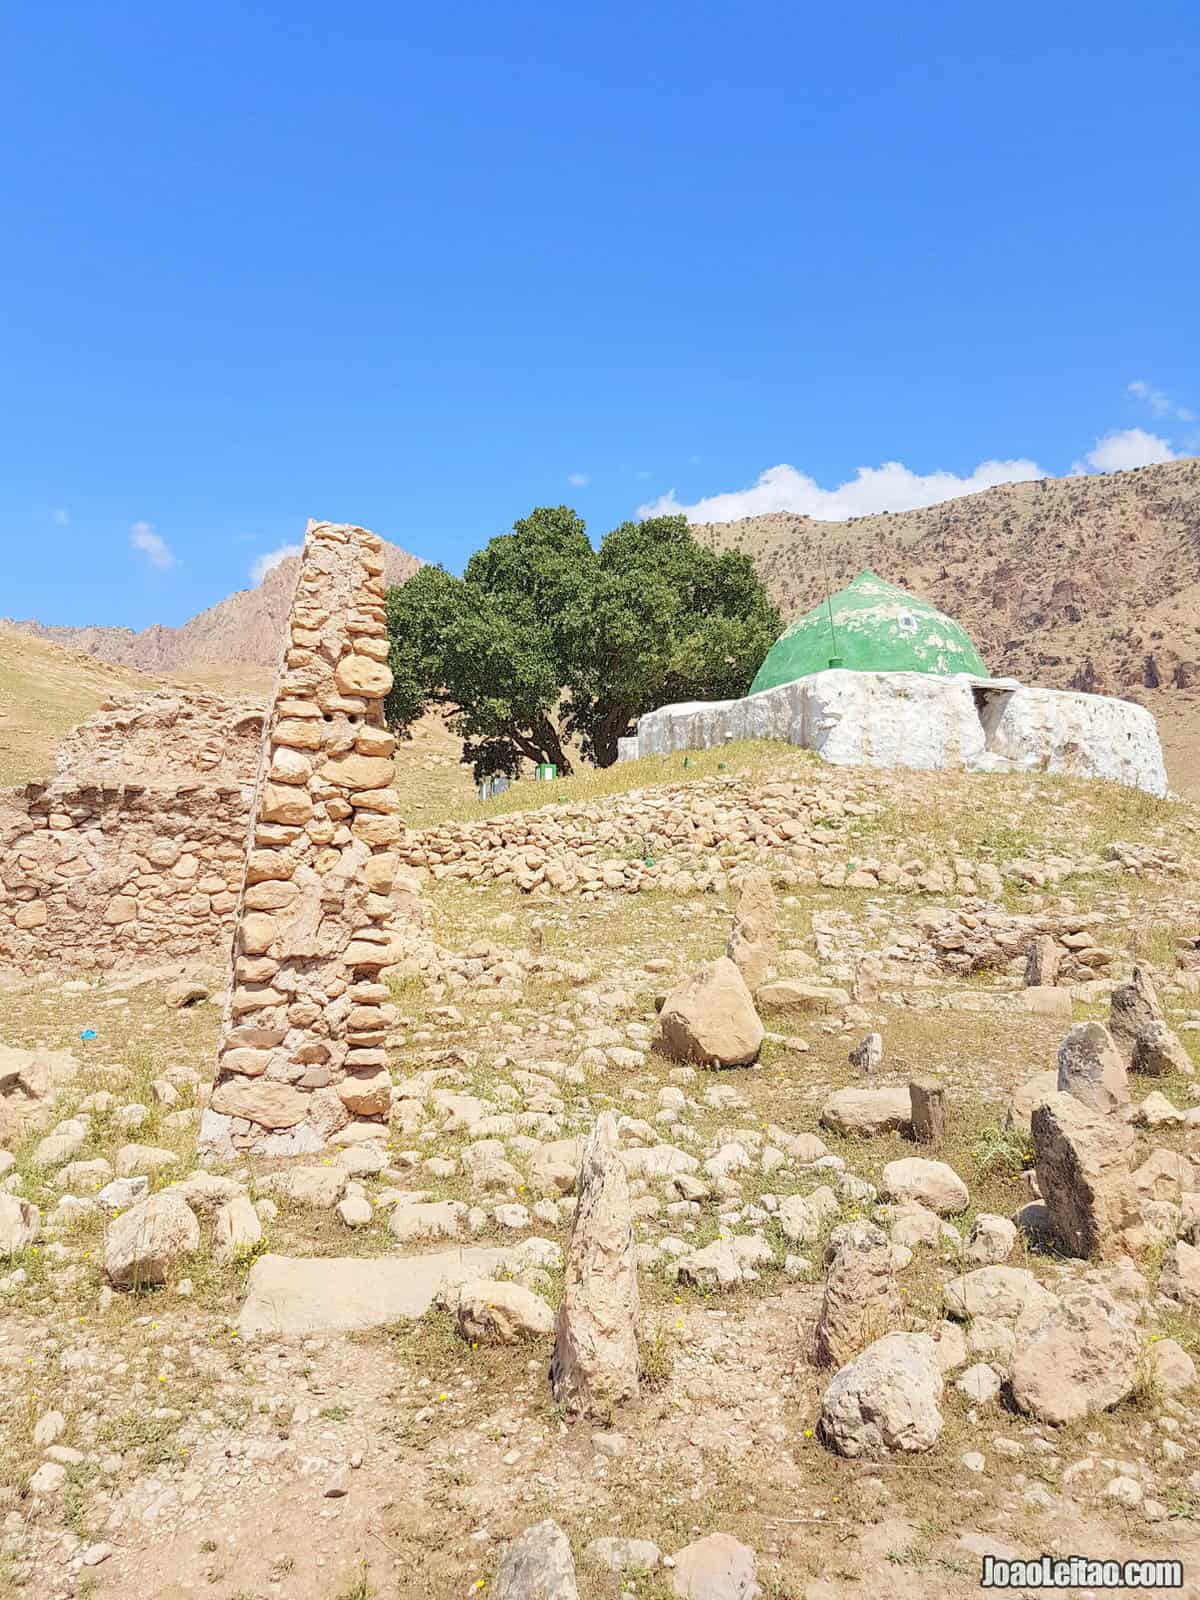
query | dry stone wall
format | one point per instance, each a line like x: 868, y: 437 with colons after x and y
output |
x: 302, y: 1046
x: 133, y: 854
x: 101, y: 875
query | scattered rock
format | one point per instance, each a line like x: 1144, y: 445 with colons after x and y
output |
x: 886, y: 1400
x: 537, y: 1565
x: 867, y: 1112
x: 20, y: 1224
x: 715, y: 1568
x: 146, y: 1243
x: 1082, y: 1357
x: 710, y: 1018
x: 931, y: 1183
x: 1180, y: 1276
x: 489, y: 1311
x: 1133, y: 1008
x: 1157, y: 1051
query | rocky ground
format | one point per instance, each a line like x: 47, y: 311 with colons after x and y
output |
x: 161, y: 1437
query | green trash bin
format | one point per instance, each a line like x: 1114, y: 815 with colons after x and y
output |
x: 546, y: 771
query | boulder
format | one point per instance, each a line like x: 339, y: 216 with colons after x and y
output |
x: 867, y: 1112
x: 1180, y: 1277
x: 1091, y: 1068
x: 20, y: 1224
x: 184, y: 992
x: 998, y: 1294
x: 710, y: 1018
x: 931, y: 1183
x: 991, y: 1240
x: 537, y: 1565
x: 754, y: 938
x: 802, y: 1217
x: 724, y: 1263
x: 861, y: 1300
x: 885, y: 1402
x: 1170, y: 1366
x: 1027, y: 1095
x: 596, y: 1363
x: 1157, y: 1051
x: 145, y: 1244
x: 238, y: 1228
x: 1133, y: 1008
x: 1082, y: 1357
x: 624, y: 1555
x: 435, y: 1219
x: 294, y: 1296
x: 718, y: 1567
x: 1082, y: 1163
x: 807, y: 999
x: 493, y: 1311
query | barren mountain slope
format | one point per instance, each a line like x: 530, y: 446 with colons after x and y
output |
x: 244, y: 629
x: 1091, y: 583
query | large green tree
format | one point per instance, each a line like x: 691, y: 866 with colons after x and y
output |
x: 544, y: 639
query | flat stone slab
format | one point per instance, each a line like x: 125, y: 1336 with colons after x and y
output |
x: 292, y: 1296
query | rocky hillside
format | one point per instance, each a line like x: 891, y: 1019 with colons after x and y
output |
x: 243, y: 630
x: 1088, y: 582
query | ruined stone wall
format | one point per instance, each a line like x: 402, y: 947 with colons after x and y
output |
x: 161, y: 737
x: 112, y: 874
x: 301, y: 1051
x: 133, y: 854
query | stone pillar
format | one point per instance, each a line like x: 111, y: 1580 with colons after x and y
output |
x: 928, y: 1100
x: 302, y: 1043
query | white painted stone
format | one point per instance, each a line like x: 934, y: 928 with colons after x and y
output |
x: 930, y: 723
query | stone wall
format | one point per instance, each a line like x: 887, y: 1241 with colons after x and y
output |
x: 928, y: 723
x: 159, y: 738
x: 117, y: 874
x: 302, y: 1045
x: 133, y: 853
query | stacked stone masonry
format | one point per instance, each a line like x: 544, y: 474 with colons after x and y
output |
x: 118, y: 874
x: 302, y: 1047
x: 133, y: 854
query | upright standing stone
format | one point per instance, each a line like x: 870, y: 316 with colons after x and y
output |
x: 596, y: 1363
x: 1082, y: 1161
x: 302, y: 1043
x: 754, y: 938
x: 1042, y: 960
x: 1132, y: 1008
x: 861, y: 1302
x: 928, y: 1101
x: 1091, y: 1070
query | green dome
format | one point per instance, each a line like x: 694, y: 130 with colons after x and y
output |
x: 872, y: 626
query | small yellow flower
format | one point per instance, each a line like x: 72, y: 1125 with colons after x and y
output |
x: 479, y: 1583
x: 808, y: 1433
x: 443, y: 1396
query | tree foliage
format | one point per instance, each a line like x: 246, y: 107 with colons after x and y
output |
x: 545, y: 640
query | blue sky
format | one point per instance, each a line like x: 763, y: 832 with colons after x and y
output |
x: 425, y: 267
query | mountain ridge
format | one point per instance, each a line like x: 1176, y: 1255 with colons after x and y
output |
x: 244, y: 628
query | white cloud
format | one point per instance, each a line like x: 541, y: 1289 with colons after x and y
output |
x: 890, y: 487
x: 60, y: 517
x: 1159, y: 401
x: 579, y: 480
x: 1117, y: 452
x: 270, y: 559
x: 155, y: 549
